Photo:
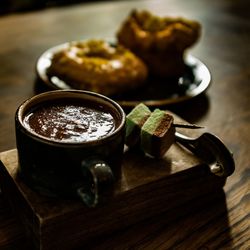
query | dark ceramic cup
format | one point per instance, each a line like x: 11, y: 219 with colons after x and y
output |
x: 67, y: 168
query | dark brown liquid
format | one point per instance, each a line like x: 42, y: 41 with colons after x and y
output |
x: 70, y: 122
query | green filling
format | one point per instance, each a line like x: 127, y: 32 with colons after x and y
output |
x: 135, y: 117
x: 149, y: 128
x: 153, y: 121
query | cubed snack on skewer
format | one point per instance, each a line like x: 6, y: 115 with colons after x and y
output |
x: 134, y: 122
x: 157, y: 133
x: 153, y: 132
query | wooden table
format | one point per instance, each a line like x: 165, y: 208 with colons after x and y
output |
x: 217, y: 222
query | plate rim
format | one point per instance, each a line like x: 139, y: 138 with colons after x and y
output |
x: 44, y: 61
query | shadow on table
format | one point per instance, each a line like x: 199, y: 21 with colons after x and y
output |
x: 39, y: 86
x: 191, y: 110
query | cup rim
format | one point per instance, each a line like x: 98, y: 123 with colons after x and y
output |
x: 21, y: 109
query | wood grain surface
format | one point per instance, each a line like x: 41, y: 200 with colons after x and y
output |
x: 216, y: 221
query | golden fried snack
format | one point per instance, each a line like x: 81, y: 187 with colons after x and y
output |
x: 96, y: 65
x: 159, y: 41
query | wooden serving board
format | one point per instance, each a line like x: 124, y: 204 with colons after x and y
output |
x: 147, y: 187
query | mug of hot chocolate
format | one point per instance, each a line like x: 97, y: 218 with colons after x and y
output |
x: 70, y: 144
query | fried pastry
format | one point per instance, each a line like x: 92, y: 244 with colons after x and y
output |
x: 159, y: 41
x: 96, y: 65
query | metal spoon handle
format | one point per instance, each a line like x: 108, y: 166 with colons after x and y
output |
x: 187, y: 142
x: 211, y: 150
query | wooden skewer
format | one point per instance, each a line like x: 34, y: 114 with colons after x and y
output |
x: 187, y: 125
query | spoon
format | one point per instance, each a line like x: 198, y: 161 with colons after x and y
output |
x: 211, y: 150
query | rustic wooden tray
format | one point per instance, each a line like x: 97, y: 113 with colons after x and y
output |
x: 147, y: 187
